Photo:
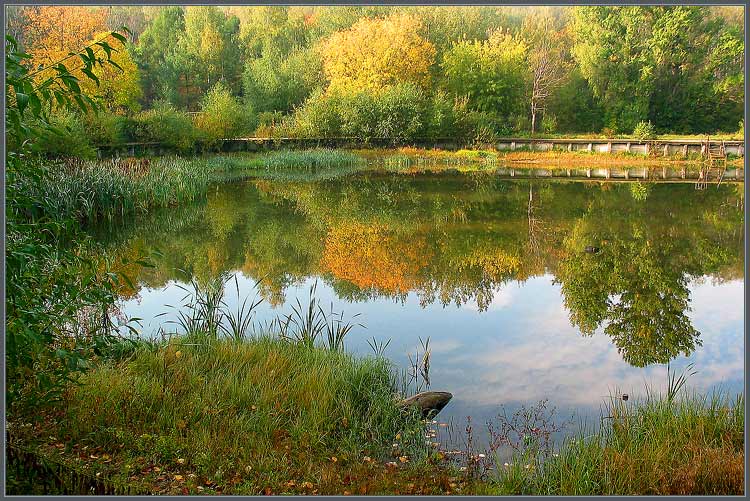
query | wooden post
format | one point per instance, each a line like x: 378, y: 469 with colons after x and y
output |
x: 627, y: 173
x: 590, y: 146
x: 685, y: 150
x: 666, y: 149
x: 609, y: 147
x: 512, y: 145
x: 628, y: 147
x: 648, y: 149
x: 664, y: 172
x: 570, y: 146
x: 588, y: 172
x: 513, y: 172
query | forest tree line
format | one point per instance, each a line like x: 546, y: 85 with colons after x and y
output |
x: 199, y: 74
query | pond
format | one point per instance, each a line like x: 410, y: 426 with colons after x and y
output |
x: 494, y: 272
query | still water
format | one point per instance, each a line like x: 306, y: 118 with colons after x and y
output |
x: 493, y: 271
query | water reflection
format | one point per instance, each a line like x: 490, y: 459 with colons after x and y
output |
x: 494, y: 272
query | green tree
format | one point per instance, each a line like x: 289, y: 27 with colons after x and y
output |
x: 676, y: 66
x: 221, y: 116
x: 155, y: 51
x: 492, y: 74
x: 280, y: 82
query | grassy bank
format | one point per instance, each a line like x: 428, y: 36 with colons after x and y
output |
x: 262, y: 415
x: 520, y: 158
x: 94, y: 190
x: 256, y: 416
x: 694, y: 445
x: 100, y: 189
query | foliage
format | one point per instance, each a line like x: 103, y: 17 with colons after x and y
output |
x: 492, y: 74
x: 375, y: 53
x: 57, y: 299
x: 53, y: 31
x: 648, y: 62
x: 166, y: 125
x: 69, y: 138
x: 221, y: 116
x: 105, y: 128
x: 156, y: 55
x: 279, y: 82
x: 116, y: 85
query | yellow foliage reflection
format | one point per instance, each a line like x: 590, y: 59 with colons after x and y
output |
x: 369, y: 255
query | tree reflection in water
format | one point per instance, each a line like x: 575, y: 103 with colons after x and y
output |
x: 456, y: 238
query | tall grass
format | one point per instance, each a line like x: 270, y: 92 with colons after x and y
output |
x: 662, y: 445
x: 261, y: 404
x: 94, y: 190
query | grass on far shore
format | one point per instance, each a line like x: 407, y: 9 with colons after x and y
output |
x: 490, y: 158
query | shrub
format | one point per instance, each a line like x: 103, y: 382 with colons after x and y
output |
x: 268, y: 123
x: 608, y: 132
x: 400, y: 113
x: 444, y: 116
x: 549, y: 124
x: 166, y: 125
x: 318, y: 117
x: 222, y: 116
x: 68, y: 139
x: 644, y: 130
x: 105, y: 128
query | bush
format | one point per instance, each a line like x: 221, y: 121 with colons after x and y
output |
x: 68, y: 139
x: 549, y: 124
x: 644, y: 130
x: 446, y: 117
x: 318, y: 117
x: 222, y: 116
x: 106, y: 128
x: 268, y: 123
x: 166, y: 125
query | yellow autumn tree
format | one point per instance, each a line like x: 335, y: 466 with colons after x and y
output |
x: 120, y: 90
x: 54, y: 31
x: 375, y: 53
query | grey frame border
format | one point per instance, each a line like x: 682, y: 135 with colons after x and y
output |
x: 365, y: 2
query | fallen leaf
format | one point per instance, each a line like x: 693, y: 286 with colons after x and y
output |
x: 178, y: 478
x: 403, y: 459
x: 334, y: 459
x: 180, y: 460
x: 307, y: 485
